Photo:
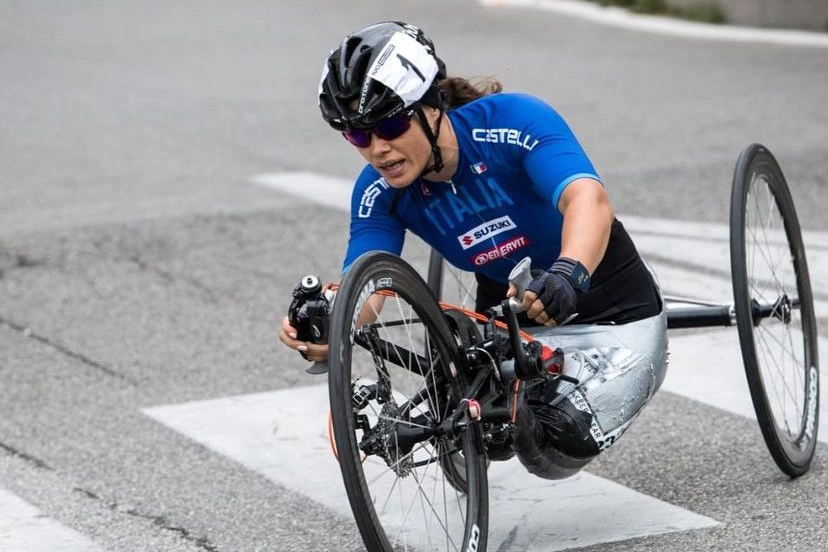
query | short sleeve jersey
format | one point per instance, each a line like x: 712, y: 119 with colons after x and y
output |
x: 516, y: 156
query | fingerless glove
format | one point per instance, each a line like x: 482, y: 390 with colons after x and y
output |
x: 559, y: 287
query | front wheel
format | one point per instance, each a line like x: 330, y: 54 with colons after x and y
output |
x: 774, y: 310
x: 414, y: 472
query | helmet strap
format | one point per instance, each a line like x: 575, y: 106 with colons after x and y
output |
x: 432, y: 136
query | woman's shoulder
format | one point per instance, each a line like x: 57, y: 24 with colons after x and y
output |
x: 511, y: 106
x: 505, y: 99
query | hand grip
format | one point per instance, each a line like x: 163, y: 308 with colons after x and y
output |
x: 309, y: 313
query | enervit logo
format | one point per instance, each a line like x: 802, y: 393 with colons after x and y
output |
x: 486, y: 230
x: 502, y: 250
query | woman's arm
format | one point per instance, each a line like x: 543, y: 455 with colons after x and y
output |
x: 587, y: 219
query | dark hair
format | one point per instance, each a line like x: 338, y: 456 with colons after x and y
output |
x: 457, y: 91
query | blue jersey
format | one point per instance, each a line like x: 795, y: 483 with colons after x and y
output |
x: 517, y: 155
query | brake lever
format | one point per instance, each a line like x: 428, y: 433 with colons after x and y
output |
x: 520, y: 276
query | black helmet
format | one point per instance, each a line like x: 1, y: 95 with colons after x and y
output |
x: 386, y: 67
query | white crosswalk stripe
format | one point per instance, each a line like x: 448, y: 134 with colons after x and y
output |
x: 23, y: 528
x: 283, y: 436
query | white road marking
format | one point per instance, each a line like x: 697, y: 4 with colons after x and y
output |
x: 283, y: 436
x: 619, y: 17
x: 318, y: 188
x: 24, y: 528
x: 707, y: 367
x: 706, y: 247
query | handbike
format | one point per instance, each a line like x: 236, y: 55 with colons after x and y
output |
x: 422, y: 399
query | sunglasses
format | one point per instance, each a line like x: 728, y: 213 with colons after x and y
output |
x: 387, y: 129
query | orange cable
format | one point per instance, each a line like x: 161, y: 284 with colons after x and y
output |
x: 333, y: 286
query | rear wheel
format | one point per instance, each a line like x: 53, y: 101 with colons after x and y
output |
x: 450, y: 284
x: 415, y: 479
x: 774, y: 310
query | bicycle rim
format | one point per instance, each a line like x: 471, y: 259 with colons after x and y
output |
x: 779, y: 348
x: 390, y: 379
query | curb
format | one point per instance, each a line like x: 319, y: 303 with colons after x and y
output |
x: 619, y: 17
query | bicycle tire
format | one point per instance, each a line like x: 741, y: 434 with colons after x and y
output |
x: 402, y: 496
x: 434, y: 275
x: 779, y: 347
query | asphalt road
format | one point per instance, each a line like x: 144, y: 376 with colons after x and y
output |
x: 139, y: 266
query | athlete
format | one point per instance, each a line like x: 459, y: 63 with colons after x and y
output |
x: 488, y: 178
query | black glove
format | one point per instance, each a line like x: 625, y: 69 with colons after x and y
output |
x: 559, y: 287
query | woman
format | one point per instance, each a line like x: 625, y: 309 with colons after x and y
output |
x: 488, y: 178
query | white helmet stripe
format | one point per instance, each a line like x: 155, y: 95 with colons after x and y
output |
x: 405, y: 66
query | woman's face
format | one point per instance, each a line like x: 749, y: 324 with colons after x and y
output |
x: 401, y: 160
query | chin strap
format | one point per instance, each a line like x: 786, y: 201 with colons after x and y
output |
x: 432, y: 136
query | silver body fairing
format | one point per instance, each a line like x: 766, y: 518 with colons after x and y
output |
x: 619, y: 368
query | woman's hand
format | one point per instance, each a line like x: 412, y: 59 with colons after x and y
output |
x: 550, y: 301
x: 311, y: 351
x: 539, y: 312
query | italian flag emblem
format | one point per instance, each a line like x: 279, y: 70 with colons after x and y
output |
x: 478, y: 168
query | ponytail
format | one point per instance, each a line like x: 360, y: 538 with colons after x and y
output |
x: 457, y: 91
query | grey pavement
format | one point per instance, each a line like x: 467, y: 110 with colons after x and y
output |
x: 139, y: 266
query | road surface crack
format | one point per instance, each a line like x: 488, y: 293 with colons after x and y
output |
x: 158, y: 520
x: 172, y: 278
x: 10, y: 260
x: 34, y: 461
x: 27, y: 332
